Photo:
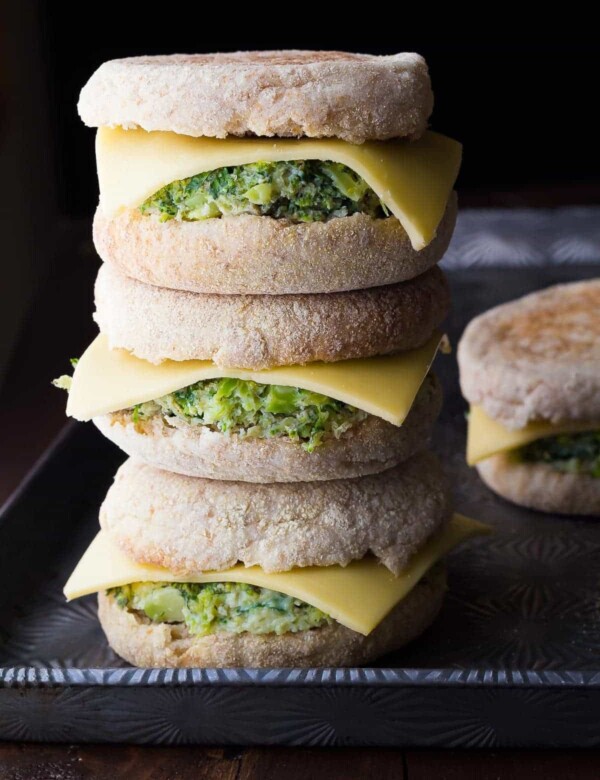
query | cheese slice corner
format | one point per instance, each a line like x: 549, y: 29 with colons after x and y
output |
x: 413, y: 178
x: 487, y: 437
x: 358, y: 596
x: 109, y: 380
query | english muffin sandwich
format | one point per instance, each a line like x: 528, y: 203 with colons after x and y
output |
x: 269, y: 172
x: 263, y: 388
x: 531, y: 371
x: 194, y: 572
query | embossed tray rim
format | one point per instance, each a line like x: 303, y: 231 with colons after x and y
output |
x: 29, y: 676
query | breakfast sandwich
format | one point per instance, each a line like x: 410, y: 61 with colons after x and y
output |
x: 270, y: 173
x: 263, y: 388
x: 531, y: 371
x: 194, y: 572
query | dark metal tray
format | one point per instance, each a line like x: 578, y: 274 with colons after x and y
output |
x: 514, y: 658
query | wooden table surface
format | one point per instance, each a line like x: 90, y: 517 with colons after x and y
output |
x: 31, y: 414
x: 50, y: 762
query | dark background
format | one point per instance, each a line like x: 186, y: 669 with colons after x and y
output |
x: 521, y: 105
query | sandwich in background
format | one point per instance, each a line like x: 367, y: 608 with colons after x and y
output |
x: 531, y: 371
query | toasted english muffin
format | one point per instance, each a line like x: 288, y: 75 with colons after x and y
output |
x: 536, y: 358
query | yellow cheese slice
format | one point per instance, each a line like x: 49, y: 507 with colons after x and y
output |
x: 108, y: 380
x: 413, y: 178
x: 487, y: 437
x: 358, y: 596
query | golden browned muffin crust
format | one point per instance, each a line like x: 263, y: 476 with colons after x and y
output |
x: 536, y: 358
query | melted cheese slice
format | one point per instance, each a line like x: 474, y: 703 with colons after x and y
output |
x: 358, y: 596
x: 108, y: 380
x: 487, y: 437
x: 413, y: 178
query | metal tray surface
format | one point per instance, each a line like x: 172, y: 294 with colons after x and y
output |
x: 513, y: 659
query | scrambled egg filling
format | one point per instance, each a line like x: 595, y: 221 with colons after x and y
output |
x: 221, y: 606
x: 255, y: 410
x: 300, y: 191
x: 575, y: 453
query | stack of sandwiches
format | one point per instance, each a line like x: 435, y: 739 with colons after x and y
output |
x: 269, y: 309
x: 531, y: 371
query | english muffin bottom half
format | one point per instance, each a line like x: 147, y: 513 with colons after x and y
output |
x: 204, y: 573
x: 211, y: 191
x: 531, y: 371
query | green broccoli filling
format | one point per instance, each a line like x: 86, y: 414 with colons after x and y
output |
x: 64, y: 381
x: 221, y: 606
x: 301, y: 191
x: 575, y: 453
x: 255, y: 410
